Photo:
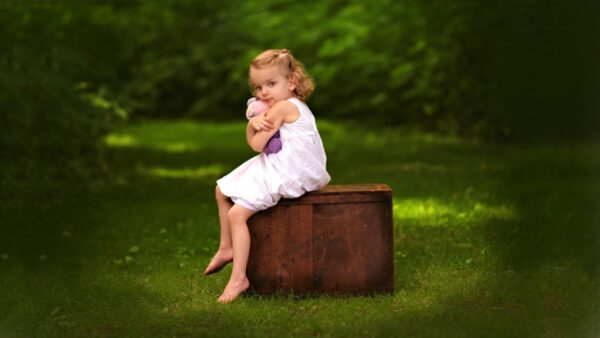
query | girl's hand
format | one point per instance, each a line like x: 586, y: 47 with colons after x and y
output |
x: 261, y: 122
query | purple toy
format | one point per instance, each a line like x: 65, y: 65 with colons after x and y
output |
x: 255, y: 107
x: 274, y: 144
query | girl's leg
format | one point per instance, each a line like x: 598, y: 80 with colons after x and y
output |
x: 238, y: 282
x: 225, y: 253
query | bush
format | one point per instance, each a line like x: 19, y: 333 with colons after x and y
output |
x: 53, y: 108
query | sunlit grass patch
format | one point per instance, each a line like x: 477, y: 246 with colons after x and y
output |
x: 435, y: 212
x: 126, y: 140
x: 337, y: 134
x: 209, y: 171
x: 120, y: 140
x: 180, y: 137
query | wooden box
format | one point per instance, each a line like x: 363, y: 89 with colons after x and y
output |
x: 336, y: 240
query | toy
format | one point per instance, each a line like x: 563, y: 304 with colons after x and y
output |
x: 255, y: 107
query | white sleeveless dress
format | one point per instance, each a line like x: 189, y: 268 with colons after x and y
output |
x: 298, y: 167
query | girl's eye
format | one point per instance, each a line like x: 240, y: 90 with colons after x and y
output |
x: 271, y: 84
x: 257, y: 88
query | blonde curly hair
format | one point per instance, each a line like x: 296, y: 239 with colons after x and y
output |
x: 293, y: 68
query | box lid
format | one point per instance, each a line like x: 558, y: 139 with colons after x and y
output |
x: 344, y: 193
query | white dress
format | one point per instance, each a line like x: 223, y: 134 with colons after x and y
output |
x: 298, y: 167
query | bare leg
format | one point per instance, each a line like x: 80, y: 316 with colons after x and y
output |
x: 238, y: 282
x: 225, y: 253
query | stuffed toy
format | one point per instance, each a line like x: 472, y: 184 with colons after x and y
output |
x: 255, y: 107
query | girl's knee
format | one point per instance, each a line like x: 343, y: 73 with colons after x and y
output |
x: 237, y: 215
x: 234, y: 215
x: 219, y: 195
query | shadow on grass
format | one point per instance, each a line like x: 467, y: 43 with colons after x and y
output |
x: 525, y: 216
x: 486, y: 237
x: 557, y: 191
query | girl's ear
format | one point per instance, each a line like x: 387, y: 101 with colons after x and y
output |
x: 293, y: 82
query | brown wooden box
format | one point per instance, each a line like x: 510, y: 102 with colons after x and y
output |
x: 335, y: 240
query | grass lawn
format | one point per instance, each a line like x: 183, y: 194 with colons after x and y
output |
x: 499, y: 241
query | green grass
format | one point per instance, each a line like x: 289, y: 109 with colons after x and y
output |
x: 497, y: 241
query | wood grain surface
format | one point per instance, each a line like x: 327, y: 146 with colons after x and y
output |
x: 337, y: 240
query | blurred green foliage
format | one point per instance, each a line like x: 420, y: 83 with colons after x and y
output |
x: 497, y: 71
x: 54, y: 97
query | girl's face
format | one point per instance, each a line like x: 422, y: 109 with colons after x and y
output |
x: 271, y: 85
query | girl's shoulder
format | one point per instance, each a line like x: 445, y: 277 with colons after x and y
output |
x: 286, y: 110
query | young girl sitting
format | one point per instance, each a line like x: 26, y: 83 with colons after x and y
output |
x: 280, y: 81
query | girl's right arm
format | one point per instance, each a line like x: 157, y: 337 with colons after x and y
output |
x: 258, y: 123
x: 257, y: 140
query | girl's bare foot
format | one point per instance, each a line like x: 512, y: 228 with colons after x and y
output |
x: 222, y: 257
x: 233, y: 289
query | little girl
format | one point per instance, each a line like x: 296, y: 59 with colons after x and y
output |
x: 280, y: 81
